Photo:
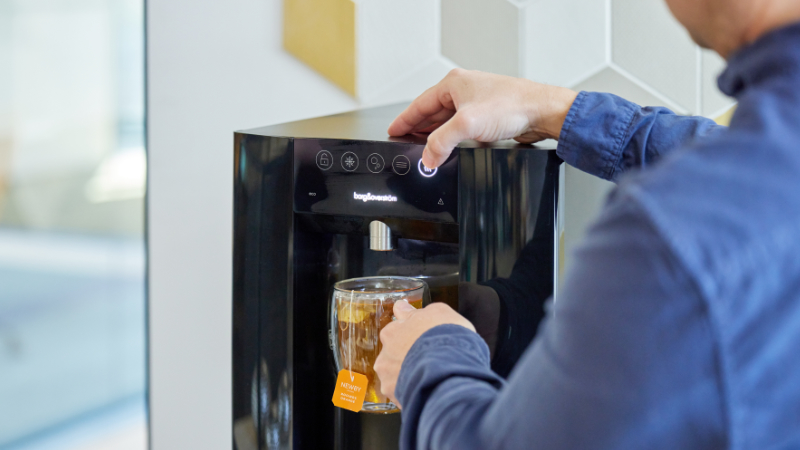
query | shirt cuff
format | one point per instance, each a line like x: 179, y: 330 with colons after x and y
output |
x: 595, y: 132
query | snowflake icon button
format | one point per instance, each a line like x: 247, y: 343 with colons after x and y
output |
x: 349, y: 161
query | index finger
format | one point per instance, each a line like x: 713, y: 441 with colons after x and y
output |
x: 429, y: 103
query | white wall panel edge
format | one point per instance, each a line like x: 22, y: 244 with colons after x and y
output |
x: 721, y: 111
x: 609, y: 42
x: 522, y: 32
x: 635, y: 80
x: 698, y: 105
x: 589, y: 74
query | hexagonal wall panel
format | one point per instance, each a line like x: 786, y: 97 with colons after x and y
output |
x: 563, y: 41
x: 413, y: 85
x: 482, y: 35
x: 651, y: 45
x: 378, y: 50
x: 394, y: 40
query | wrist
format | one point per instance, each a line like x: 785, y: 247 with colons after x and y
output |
x: 548, y: 107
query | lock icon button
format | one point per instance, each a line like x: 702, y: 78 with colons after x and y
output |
x: 324, y: 160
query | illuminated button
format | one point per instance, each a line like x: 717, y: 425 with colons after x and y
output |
x: 426, y: 172
x: 324, y: 160
x: 401, y: 165
x: 375, y: 163
x: 349, y: 161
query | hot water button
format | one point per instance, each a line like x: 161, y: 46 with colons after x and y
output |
x: 425, y: 171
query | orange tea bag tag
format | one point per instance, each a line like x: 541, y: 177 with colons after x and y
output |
x: 351, y: 387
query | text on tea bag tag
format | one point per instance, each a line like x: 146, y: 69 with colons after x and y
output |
x: 351, y: 387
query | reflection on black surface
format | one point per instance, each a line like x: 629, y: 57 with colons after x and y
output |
x: 508, y: 214
x: 522, y: 299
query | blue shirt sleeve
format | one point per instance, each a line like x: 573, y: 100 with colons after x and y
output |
x: 606, y: 135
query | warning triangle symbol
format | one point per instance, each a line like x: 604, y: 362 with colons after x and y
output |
x: 441, y: 202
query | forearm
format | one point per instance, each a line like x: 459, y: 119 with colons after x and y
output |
x: 445, y: 388
x: 605, y: 135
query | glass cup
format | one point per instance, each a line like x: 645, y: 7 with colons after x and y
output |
x: 360, y: 308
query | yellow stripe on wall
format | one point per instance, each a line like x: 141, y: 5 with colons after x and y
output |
x: 725, y: 118
x: 322, y: 34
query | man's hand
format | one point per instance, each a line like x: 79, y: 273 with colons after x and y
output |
x: 485, y: 107
x: 398, y: 337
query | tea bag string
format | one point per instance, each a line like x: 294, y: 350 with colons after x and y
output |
x: 350, y: 341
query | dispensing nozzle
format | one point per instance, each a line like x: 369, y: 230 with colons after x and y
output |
x: 380, y: 236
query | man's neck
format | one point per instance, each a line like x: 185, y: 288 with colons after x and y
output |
x: 773, y: 15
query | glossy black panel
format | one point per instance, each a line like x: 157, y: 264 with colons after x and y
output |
x: 508, y: 237
x: 504, y: 194
x: 262, y: 289
x: 373, y: 180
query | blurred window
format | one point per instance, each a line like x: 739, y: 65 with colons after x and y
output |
x: 72, y: 252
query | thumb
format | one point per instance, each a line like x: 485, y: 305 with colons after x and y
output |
x: 403, y: 310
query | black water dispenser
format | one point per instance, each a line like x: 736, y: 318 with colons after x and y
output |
x: 305, y: 194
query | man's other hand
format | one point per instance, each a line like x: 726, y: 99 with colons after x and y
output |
x: 398, y: 337
x: 485, y: 107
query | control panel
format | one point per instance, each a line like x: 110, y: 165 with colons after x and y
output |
x: 373, y: 179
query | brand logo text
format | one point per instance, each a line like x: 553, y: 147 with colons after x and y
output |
x: 368, y: 197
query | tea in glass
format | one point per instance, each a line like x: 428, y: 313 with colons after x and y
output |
x: 360, y: 308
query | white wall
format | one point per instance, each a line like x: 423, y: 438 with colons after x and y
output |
x: 213, y: 67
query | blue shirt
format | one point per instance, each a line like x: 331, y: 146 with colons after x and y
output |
x: 678, y: 326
